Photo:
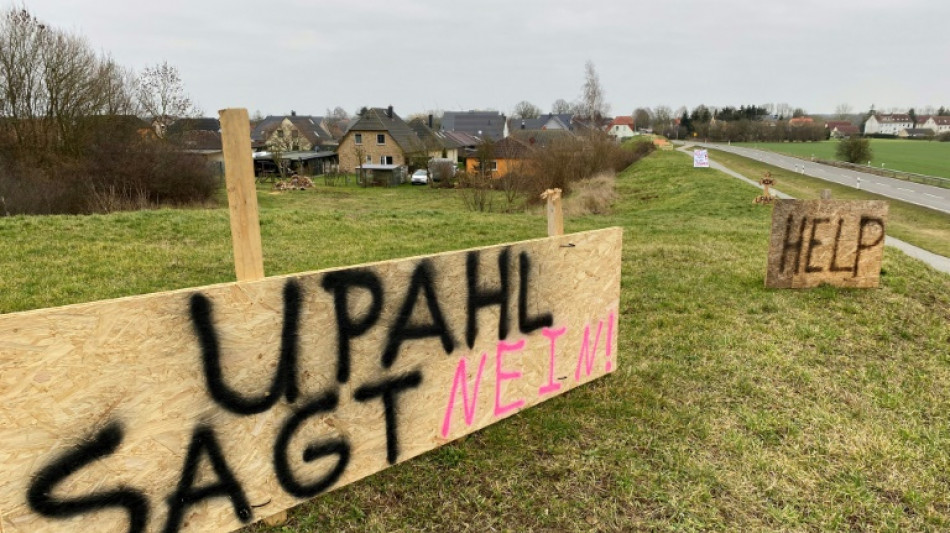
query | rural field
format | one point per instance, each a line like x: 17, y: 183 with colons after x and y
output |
x: 922, y: 157
x: 734, y: 407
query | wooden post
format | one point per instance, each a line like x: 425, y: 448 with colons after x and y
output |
x: 242, y: 194
x: 555, y: 213
x: 826, y: 194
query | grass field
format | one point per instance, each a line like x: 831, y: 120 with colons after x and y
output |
x: 734, y: 407
x: 917, y: 225
x: 922, y: 157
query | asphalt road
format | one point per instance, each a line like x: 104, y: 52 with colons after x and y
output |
x: 938, y: 262
x: 935, y: 198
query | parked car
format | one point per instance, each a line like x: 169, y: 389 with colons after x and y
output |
x: 420, y: 177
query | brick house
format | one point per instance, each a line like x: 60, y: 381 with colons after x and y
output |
x: 379, y: 137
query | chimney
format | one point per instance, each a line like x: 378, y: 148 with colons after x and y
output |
x: 293, y: 113
x: 389, y: 111
x: 430, y: 120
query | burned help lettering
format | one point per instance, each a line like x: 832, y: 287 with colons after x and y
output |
x: 826, y: 241
x: 496, y: 284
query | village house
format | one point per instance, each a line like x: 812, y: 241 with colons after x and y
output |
x: 378, y: 137
x: 621, y: 128
x: 291, y: 133
x: 498, y: 159
x: 437, y: 144
x: 892, y: 124
x: 938, y: 124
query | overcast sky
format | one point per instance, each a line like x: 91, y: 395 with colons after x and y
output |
x: 440, y: 54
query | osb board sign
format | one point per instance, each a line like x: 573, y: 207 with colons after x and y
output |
x: 838, y: 242
x: 206, y: 409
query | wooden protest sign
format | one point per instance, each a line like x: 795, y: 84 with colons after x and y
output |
x: 836, y: 242
x: 205, y: 409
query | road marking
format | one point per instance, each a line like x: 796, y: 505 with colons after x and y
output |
x: 903, y: 189
x: 933, y: 195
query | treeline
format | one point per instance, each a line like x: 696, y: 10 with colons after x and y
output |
x: 71, y: 136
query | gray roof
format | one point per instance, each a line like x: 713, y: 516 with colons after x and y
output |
x: 489, y: 124
x: 378, y: 119
x: 433, y: 138
x: 553, y: 122
x: 540, y: 138
x: 310, y: 127
x: 461, y: 138
x: 194, y: 124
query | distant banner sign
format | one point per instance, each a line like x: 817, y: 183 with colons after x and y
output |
x: 207, y: 409
x: 838, y: 242
x: 700, y: 159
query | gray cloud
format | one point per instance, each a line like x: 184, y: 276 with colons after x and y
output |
x: 422, y: 54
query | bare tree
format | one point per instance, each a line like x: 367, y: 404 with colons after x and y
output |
x: 641, y: 117
x: 161, y: 95
x: 561, y: 107
x: 525, y: 109
x: 662, y: 117
x: 360, y: 152
x: 51, y: 85
x: 592, y: 104
x: 843, y: 111
x: 337, y: 113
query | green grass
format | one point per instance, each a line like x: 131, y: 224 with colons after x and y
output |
x: 734, y: 407
x: 917, y: 225
x: 921, y: 157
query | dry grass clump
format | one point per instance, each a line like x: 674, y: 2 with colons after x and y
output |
x: 592, y: 196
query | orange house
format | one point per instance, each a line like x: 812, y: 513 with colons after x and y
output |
x: 500, y: 158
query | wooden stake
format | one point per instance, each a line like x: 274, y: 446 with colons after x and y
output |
x: 242, y: 194
x: 555, y: 212
x: 826, y: 194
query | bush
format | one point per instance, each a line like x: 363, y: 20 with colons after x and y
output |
x: 854, y: 150
x: 114, y: 172
x: 475, y: 191
x: 570, y: 160
x: 592, y: 196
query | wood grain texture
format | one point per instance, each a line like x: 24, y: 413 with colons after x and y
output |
x: 68, y: 372
x: 242, y: 194
x: 838, y: 242
x: 555, y: 211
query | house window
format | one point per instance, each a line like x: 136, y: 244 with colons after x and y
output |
x: 493, y: 166
x: 294, y: 134
x: 380, y: 138
x: 358, y: 138
x: 280, y: 134
x: 385, y: 160
x: 369, y: 159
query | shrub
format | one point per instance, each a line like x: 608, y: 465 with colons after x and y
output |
x: 113, y: 174
x: 567, y: 161
x: 592, y: 196
x: 475, y: 191
x: 854, y: 150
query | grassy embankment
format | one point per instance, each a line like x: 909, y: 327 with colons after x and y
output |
x: 734, y: 408
x: 922, y: 157
x: 917, y: 225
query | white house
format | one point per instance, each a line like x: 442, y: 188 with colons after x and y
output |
x: 887, y: 124
x: 937, y: 124
x: 621, y: 128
